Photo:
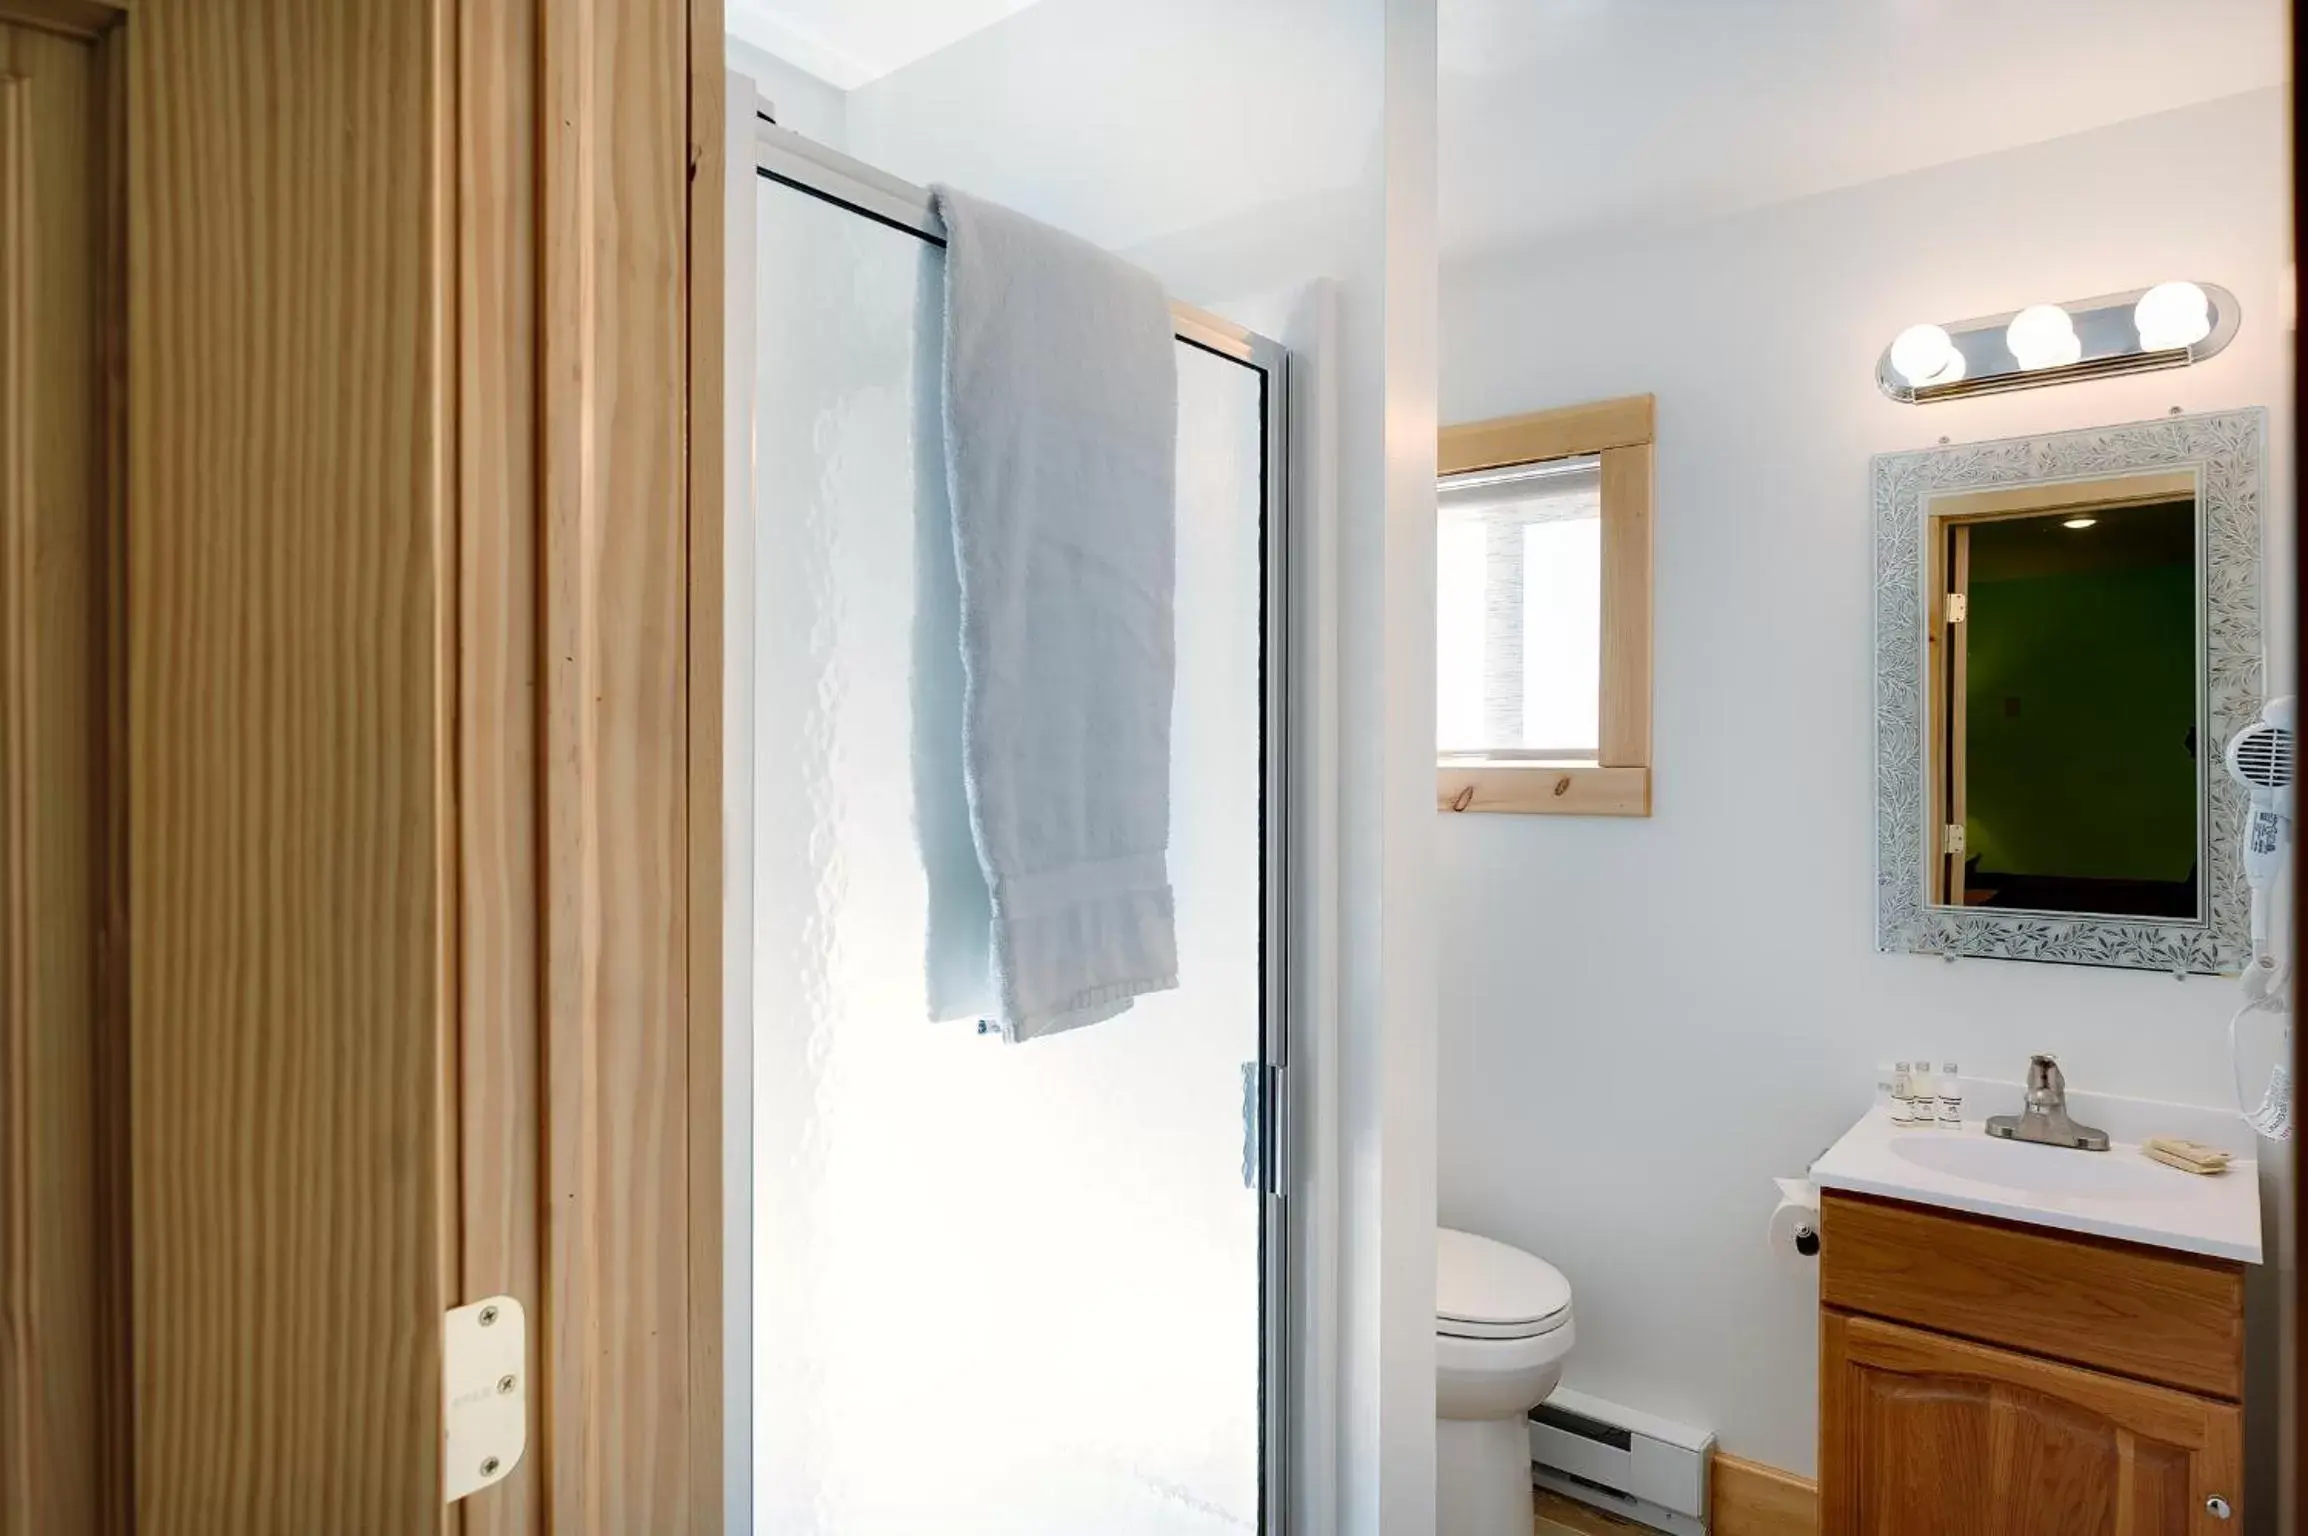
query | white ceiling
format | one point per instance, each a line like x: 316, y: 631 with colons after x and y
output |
x: 1559, y: 116
x: 849, y: 42
x: 1565, y: 116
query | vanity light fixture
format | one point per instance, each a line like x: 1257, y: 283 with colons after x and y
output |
x: 2171, y: 325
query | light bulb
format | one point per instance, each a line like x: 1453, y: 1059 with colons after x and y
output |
x: 1925, y: 354
x: 2172, y: 315
x: 2042, y: 336
x: 2080, y: 522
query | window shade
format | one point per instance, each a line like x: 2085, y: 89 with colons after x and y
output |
x: 1519, y: 612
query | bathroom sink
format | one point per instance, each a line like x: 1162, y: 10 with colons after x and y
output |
x: 2117, y: 1193
x: 2040, y: 1171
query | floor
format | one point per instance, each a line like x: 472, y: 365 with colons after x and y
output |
x: 1558, y: 1516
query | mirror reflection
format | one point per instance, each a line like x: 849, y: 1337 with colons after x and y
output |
x: 2066, y: 698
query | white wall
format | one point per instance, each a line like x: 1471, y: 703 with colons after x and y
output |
x: 1276, y: 163
x: 1642, y: 1022
x: 799, y: 100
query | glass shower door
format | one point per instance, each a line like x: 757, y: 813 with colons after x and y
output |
x: 995, y: 1288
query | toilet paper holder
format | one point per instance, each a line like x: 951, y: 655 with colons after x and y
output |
x: 1795, y: 1217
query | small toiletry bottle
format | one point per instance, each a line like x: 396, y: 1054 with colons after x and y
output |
x: 1902, y: 1094
x: 1950, y: 1098
x: 1920, y: 1090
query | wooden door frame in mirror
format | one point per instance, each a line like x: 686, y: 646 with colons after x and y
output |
x: 2227, y: 451
x: 1971, y: 509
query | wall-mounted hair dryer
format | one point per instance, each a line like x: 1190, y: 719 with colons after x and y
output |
x: 2260, y: 757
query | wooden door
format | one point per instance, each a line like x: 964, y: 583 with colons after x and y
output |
x: 1924, y: 1435
x: 63, y: 1291
x: 354, y: 686
x: 1958, y: 605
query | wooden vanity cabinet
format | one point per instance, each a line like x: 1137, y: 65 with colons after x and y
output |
x: 1979, y: 1378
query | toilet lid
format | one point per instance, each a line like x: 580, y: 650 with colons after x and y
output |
x: 1487, y: 1290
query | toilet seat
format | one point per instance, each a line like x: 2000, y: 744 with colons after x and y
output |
x: 1502, y: 1321
x: 1490, y: 1291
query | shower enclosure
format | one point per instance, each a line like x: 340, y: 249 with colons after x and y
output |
x: 976, y: 1287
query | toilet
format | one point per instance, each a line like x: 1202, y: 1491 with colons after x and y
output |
x: 1502, y: 1327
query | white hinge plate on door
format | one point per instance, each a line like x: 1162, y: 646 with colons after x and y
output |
x: 484, y: 1394
x: 1958, y: 607
x: 1952, y: 837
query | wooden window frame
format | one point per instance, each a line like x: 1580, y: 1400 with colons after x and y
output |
x: 1618, y: 783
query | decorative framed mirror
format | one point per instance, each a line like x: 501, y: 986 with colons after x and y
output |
x: 2067, y: 633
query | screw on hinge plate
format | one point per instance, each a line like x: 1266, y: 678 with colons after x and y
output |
x: 484, y: 1405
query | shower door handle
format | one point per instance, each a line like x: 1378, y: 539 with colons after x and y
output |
x: 1263, y: 1128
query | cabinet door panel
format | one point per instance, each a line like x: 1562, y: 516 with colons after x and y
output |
x: 1922, y: 1435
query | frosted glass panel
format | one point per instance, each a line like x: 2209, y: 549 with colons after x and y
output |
x: 997, y: 1288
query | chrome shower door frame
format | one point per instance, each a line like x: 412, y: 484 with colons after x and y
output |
x: 808, y: 167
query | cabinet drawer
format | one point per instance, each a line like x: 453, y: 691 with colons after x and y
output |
x: 2164, y: 1317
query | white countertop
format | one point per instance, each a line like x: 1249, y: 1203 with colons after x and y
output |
x: 2119, y: 1193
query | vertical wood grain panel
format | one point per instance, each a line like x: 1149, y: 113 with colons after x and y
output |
x: 115, y: 1279
x: 706, y: 837
x: 58, y: 1388
x: 1625, y: 723
x: 613, y: 586
x: 288, y: 756
x: 497, y: 760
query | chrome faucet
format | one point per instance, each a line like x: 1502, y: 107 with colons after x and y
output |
x: 2045, y: 1120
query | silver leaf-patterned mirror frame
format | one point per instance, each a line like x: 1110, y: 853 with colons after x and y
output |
x: 2227, y: 449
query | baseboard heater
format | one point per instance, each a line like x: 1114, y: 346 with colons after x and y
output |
x: 1631, y: 1464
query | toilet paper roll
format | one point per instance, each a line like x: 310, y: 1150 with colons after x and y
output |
x: 1795, y: 1220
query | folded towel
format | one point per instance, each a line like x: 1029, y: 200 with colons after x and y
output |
x: 1061, y: 425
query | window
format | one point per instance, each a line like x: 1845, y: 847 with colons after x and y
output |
x: 1543, y: 612
x: 1520, y: 612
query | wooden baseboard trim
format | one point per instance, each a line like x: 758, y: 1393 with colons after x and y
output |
x: 1747, y: 1498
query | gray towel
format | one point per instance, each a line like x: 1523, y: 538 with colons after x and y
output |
x: 1061, y: 426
